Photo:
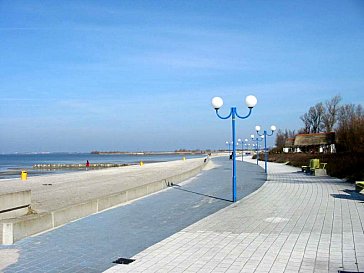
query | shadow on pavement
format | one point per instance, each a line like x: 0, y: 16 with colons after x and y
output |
x: 351, y: 195
x: 178, y: 187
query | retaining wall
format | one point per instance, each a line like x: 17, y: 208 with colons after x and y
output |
x: 14, y: 204
x: 19, y: 228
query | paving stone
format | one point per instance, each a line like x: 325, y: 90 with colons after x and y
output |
x: 97, y: 240
x: 294, y: 223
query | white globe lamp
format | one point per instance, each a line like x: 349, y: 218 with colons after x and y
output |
x: 251, y: 101
x: 217, y: 103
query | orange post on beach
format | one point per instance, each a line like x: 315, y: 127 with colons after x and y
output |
x: 24, y: 175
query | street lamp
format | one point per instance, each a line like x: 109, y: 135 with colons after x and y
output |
x: 217, y: 102
x: 228, y: 143
x: 243, y: 142
x: 257, y: 139
x: 265, y: 134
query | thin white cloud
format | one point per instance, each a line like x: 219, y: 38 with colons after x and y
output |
x: 23, y: 28
x: 23, y: 99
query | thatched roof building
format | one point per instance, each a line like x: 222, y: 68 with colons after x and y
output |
x: 320, y: 142
x: 304, y: 140
x: 289, y: 143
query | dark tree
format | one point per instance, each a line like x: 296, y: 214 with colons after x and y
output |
x: 281, y: 137
x: 280, y: 140
x: 331, y: 112
x: 350, y: 131
x: 313, y: 119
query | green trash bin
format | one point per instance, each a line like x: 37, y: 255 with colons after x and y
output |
x: 314, y: 163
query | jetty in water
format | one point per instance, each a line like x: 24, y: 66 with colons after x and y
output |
x: 78, y: 166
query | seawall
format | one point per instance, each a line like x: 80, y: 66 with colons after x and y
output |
x: 71, y: 199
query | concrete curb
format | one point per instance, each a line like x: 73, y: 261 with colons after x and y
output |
x: 18, y: 228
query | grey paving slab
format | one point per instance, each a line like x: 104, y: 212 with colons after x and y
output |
x: 294, y: 223
x: 92, y: 243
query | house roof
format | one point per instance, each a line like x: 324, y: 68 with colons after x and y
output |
x: 289, y: 142
x: 314, y: 139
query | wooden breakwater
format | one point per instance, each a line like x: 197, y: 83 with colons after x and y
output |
x: 77, y: 166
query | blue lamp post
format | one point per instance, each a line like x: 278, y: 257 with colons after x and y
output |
x: 257, y: 139
x: 228, y: 144
x: 243, y: 142
x: 265, y: 134
x: 217, y: 102
x: 242, y: 147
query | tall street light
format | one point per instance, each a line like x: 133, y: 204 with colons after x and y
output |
x: 248, y: 147
x: 243, y: 142
x: 217, y: 103
x: 257, y: 139
x: 228, y: 144
x: 265, y: 134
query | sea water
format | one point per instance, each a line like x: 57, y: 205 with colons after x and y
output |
x: 12, y: 164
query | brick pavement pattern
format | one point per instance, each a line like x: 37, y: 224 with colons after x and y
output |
x: 293, y: 223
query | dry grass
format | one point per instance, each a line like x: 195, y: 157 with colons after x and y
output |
x: 349, y: 166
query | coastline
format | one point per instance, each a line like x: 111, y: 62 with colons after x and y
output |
x: 42, y: 164
x: 150, y: 153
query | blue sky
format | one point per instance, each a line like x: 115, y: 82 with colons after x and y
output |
x: 140, y: 75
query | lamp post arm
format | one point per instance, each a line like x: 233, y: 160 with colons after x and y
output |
x: 261, y: 134
x: 250, y: 111
x: 217, y: 113
x: 270, y: 133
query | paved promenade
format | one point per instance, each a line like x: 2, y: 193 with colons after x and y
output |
x: 92, y: 244
x: 294, y: 223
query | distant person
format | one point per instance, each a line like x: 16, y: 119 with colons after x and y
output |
x: 87, y: 165
x: 231, y: 156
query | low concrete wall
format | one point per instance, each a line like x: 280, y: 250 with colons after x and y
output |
x: 111, y: 201
x: 14, y: 204
x: 16, y: 229
x: 320, y: 172
x: 28, y: 225
x: 66, y: 215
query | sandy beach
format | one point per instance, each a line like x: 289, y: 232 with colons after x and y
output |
x: 52, y: 192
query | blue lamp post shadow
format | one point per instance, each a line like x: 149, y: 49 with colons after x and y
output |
x: 257, y: 139
x: 265, y: 134
x: 217, y: 102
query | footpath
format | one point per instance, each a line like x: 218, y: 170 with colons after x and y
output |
x: 93, y: 243
x: 293, y: 223
x: 61, y: 198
